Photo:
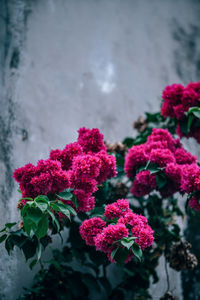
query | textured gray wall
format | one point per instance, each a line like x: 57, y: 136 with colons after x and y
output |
x: 71, y: 63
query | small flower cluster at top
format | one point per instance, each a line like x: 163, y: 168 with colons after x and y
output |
x: 80, y: 166
x: 125, y: 226
x: 177, y: 100
x: 169, y: 167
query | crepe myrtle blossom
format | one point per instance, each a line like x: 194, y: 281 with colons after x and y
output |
x: 169, y: 160
x: 177, y: 100
x: 106, y: 237
x: 80, y: 166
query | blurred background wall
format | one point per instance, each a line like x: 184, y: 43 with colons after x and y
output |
x: 95, y: 63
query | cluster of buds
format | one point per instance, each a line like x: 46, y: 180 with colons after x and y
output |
x: 121, y: 190
x: 180, y: 257
x: 140, y: 125
x: 168, y: 296
x: 116, y: 148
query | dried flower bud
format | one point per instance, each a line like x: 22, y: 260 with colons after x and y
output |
x: 117, y: 147
x: 140, y: 124
x: 21, y: 224
x: 180, y: 258
x: 121, y: 190
x: 20, y: 205
x: 168, y: 296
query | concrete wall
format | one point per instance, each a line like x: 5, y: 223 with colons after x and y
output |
x: 71, y: 63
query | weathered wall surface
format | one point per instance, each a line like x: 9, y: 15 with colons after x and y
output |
x: 95, y: 63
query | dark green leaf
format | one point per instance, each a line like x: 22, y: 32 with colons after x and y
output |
x: 65, y: 195
x: 61, y: 208
x: 121, y: 255
x: 29, y: 248
x: 32, y: 264
x: 197, y: 114
x: 127, y: 244
x: 161, y: 180
x: 184, y: 126
x: 39, y: 251
x: 190, y: 120
x: 137, y: 251
x: 193, y: 109
x: 34, y: 214
x: 3, y: 230
x: 54, y: 219
x: 10, y: 225
x: 42, y: 198
x: 42, y: 227
x: 42, y: 205
x: 9, y: 245
x: 75, y: 201
x: 29, y: 225
x: 3, y: 237
x: 72, y: 211
x: 113, y: 253
x: 129, y: 142
x: 24, y: 209
x: 97, y: 212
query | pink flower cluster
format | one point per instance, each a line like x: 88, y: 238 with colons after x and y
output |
x: 80, y: 166
x: 97, y: 233
x: 177, y: 100
x: 47, y: 177
x: 166, y: 153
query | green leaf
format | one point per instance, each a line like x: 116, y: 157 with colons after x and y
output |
x: 9, y: 245
x: 42, y: 198
x: 97, y: 212
x: 75, y: 201
x: 137, y: 251
x: 129, y: 142
x: 39, y: 251
x: 61, y: 208
x: 32, y: 264
x: 42, y: 205
x: 3, y: 237
x: 34, y: 214
x: 184, y: 126
x: 29, y: 225
x: 197, y: 114
x: 127, y: 244
x: 10, y: 225
x: 29, y: 248
x: 113, y: 253
x: 121, y: 255
x: 190, y: 120
x: 24, y: 209
x: 3, y: 230
x: 65, y: 195
x: 161, y: 180
x: 54, y: 219
x: 42, y: 227
x: 72, y: 211
x: 193, y: 109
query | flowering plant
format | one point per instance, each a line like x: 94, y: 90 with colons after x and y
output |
x: 183, y: 105
x: 56, y: 189
x: 162, y: 164
x: 121, y: 236
x: 103, y: 194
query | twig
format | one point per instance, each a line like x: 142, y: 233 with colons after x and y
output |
x: 167, y: 274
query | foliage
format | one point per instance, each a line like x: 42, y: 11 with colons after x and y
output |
x: 79, y: 271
